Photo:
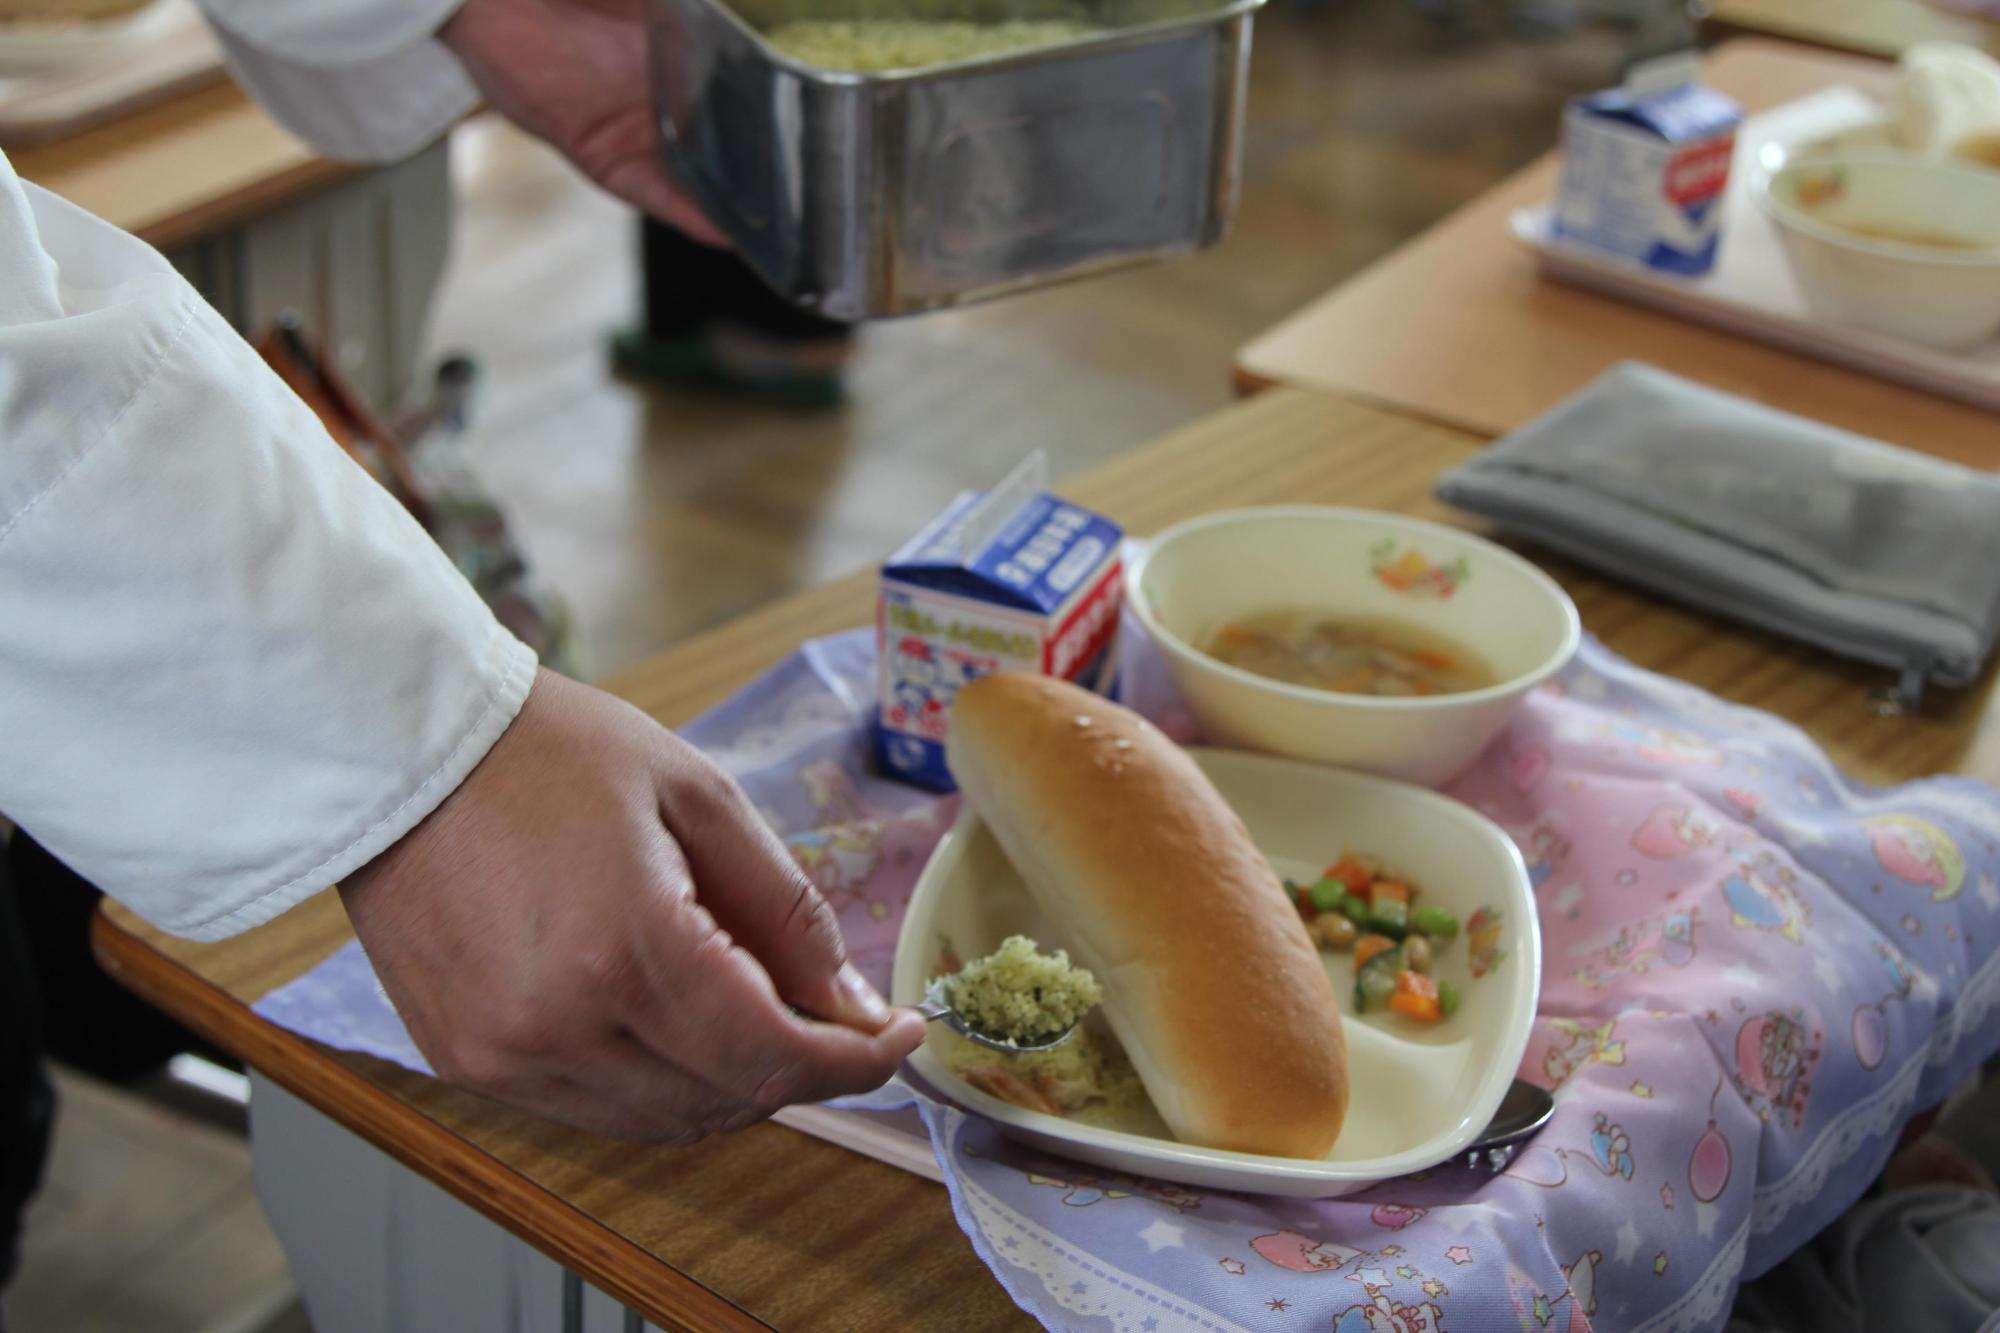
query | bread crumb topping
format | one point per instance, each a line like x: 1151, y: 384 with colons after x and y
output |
x: 1020, y: 996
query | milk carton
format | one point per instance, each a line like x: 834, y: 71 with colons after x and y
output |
x: 1644, y: 167
x: 1012, y: 580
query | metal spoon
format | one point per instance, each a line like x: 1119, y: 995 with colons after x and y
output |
x: 935, y: 1006
x: 1523, y: 1112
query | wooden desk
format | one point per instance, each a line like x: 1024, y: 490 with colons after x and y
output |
x: 261, y: 224
x: 1458, y: 327
x: 771, y: 1227
x: 182, y: 170
x: 1881, y: 28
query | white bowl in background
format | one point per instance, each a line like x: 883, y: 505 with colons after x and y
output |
x: 1940, y: 297
x: 1195, y: 577
x: 1418, y: 1094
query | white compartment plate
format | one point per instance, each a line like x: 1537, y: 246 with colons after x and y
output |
x: 1419, y: 1095
x: 1750, y: 291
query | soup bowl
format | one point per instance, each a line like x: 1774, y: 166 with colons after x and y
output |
x: 1195, y: 578
x: 1855, y: 233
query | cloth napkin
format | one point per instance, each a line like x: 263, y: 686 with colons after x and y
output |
x: 1873, y: 552
x: 1755, y: 972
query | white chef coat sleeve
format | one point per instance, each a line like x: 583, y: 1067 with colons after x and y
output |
x: 232, y: 668
x: 360, y: 80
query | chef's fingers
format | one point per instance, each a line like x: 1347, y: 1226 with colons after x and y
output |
x: 718, y: 1015
x: 744, y: 876
x: 646, y: 187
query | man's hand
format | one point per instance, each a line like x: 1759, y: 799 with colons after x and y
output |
x: 577, y: 73
x: 597, y: 927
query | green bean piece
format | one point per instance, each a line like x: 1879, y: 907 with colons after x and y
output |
x: 1389, y: 916
x: 1429, y: 919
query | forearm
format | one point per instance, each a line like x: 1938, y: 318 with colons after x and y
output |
x: 362, y: 80
x: 231, y: 668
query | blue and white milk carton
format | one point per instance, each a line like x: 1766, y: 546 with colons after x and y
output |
x: 1015, y: 579
x: 1644, y: 168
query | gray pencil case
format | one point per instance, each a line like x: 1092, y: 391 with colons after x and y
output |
x: 1861, y: 548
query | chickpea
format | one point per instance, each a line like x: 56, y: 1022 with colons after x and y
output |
x: 1417, y: 954
x: 1331, y: 930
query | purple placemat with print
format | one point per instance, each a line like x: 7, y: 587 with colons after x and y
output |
x: 1756, y: 971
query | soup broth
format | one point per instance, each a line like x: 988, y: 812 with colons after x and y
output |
x: 1374, y: 655
x: 1927, y: 240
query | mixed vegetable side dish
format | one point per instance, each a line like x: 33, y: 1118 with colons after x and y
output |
x: 1357, y: 906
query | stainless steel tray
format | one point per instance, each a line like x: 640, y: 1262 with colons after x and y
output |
x: 884, y: 194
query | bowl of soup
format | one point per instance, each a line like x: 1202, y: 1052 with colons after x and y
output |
x: 1900, y: 245
x: 1350, y: 637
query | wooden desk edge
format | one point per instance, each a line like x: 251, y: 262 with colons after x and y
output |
x: 1714, y: 32
x: 644, y: 1282
x: 1715, y: 29
x: 226, y: 209
x: 213, y: 112
x: 26, y: 140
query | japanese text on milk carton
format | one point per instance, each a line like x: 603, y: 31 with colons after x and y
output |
x: 1012, y: 580
x: 1644, y: 168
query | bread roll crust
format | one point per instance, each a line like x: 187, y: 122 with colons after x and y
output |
x: 1210, y: 980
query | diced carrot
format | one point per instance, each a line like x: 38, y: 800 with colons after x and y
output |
x: 1368, y: 946
x: 1050, y: 1088
x: 1436, y: 661
x: 1001, y: 1083
x: 1416, y: 997
x: 1415, y: 1006
x: 1390, y: 888
x: 1351, y: 874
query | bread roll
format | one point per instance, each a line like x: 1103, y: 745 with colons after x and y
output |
x: 1210, y: 980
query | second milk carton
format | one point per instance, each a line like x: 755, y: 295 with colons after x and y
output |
x: 1644, y: 168
x: 1015, y: 579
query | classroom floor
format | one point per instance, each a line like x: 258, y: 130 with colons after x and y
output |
x: 147, y: 1223
x: 658, y: 514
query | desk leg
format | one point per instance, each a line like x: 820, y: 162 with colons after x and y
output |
x: 358, y: 261
x: 375, y: 1248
